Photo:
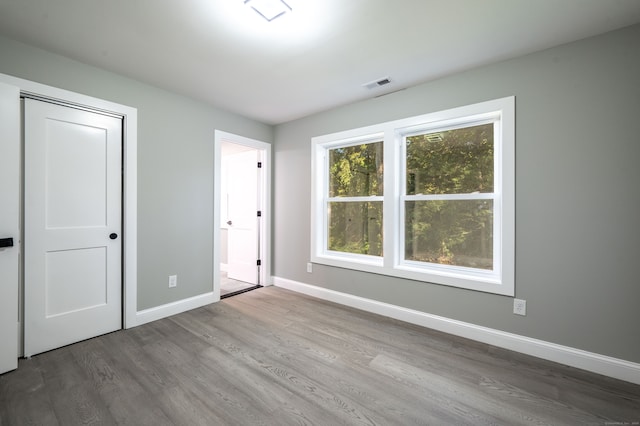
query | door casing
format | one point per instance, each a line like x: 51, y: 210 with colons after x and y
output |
x: 9, y: 226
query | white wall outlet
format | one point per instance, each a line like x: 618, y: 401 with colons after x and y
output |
x: 309, y: 267
x: 173, y: 280
x: 519, y: 307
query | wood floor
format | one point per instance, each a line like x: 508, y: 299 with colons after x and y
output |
x: 274, y: 357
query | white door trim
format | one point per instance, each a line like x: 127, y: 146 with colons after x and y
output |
x: 130, y: 178
x: 9, y: 226
x: 265, y: 231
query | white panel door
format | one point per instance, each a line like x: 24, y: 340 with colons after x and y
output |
x: 9, y: 224
x: 242, y: 207
x: 73, y: 214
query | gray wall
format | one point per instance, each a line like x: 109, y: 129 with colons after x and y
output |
x: 577, y: 195
x: 175, y: 167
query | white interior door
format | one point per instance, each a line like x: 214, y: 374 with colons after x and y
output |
x: 72, y: 225
x: 242, y: 219
x: 9, y: 224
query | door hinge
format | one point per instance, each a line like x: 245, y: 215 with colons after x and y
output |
x: 259, y: 164
x: 259, y: 262
x: 259, y: 213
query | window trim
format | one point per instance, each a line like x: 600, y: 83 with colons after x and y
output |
x: 499, y: 281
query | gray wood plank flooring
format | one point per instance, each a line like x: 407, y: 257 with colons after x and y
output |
x: 274, y: 357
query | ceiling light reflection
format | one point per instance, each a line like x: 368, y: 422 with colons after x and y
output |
x: 306, y: 20
x: 269, y: 9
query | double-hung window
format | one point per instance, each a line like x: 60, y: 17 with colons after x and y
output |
x: 428, y: 198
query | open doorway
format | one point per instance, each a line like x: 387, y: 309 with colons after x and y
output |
x: 241, y: 231
x: 240, y: 223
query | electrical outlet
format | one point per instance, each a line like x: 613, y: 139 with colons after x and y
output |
x: 173, y: 281
x: 309, y: 267
x: 519, y: 307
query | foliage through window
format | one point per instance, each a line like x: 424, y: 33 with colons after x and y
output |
x: 448, y: 216
x: 428, y: 198
x: 355, y: 199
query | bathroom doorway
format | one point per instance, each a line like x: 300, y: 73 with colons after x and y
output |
x: 242, y: 214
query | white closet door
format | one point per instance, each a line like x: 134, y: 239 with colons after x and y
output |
x: 73, y: 214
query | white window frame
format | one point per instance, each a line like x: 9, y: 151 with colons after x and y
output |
x: 353, y: 257
x: 500, y: 280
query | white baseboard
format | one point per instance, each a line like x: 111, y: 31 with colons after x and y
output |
x: 159, y: 312
x: 596, y: 363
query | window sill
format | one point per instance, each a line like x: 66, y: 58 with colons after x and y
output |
x: 475, y: 280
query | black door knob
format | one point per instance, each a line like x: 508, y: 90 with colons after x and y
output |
x: 113, y: 236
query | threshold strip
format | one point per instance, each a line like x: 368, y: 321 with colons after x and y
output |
x: 244, y: 290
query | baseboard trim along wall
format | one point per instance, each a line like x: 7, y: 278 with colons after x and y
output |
x: 596, y: 363
x: 173, y: 308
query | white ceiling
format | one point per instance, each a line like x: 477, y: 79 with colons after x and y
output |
x: 312, y: 59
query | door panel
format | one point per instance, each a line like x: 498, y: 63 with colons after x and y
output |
x: 73, y: 186
x: 9, y: 224
x: 66, y: 294
x: 77, y: 150
x: 242, y: 186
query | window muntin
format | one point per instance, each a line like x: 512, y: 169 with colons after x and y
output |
x: 475, y: 207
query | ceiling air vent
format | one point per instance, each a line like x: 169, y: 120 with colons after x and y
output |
x: 377, y: 83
